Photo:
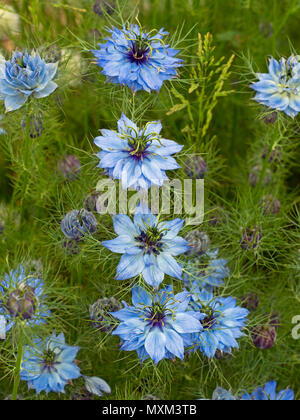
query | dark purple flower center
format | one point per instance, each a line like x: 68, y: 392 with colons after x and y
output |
x: 156, y: 315
x: 139, y: 52
x: 209, y: 321
x: 151, y: 241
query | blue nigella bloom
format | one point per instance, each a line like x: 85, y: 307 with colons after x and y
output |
x: 78, y: 223
x: 49, y: 365
x: 148, y: 247
x: 280, y: 88
x: 198, y: 276
x: 23, y: 76
x: 222, y: 394
x: 268, y: 392
x: 137, y: 59
x: 138, y: 157
x: 157, y: 325
x: 222, y: 322
x: 21, y: 297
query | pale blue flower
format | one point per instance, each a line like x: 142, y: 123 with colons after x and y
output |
x: 78, y: 223
x: 49, y: 364
x: 137, y: 59
x: 96, y: 386
x: 222, y: 323
x: 23, y: 76
x: 137, y: 157
x: 268, y: 392
x: 148, y: 247
x: 280, y: 88
x: 157, y: 325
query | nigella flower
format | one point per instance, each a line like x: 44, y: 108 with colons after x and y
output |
x: 138, y: 157
x: 268, y: 392
x: 222, y: 322
x: 137, y: 59
x: 21, y: 297
x: 280, y: 88
x: 222, y: 394
x: 148, y: 247
x: 49, y: 365
x: 198, y: 276
x: 78, y: 223
x: 157, y: 325
x: 23, y: 76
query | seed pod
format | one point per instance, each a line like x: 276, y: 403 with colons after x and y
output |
x: 100, y: 316
x: 22, y: 302
x: 69, y: 167
x: 263, y: 336
x: 199, y: 242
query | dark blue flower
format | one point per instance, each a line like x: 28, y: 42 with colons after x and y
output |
x: 25, y: 75
x: 157, y: 325
x: 148, y: 247
x: 197, y: 277
x: 280, y: 88
x: 222, y: 322
x: 21, y: 297
x: 139, y: 60
x: 49, y: 365
x: 138, y: 157
x: 268, y: 392
x: 78, y: 223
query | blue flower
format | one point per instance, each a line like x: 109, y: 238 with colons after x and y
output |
x: 49, y: 365
x: 280, y: 88
x: 148, y: 247
x: 198, y: 276
x: 25, y: 75
x: 157, y: 325
x: 138, y: 157
x: 21, y: 297
x: 268, y: 392
x: 222, y: 322
x: 78, y: 223
x: 139, y: 60
x: 96, y: 386
x: 222, y: 394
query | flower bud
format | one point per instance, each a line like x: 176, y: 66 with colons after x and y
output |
x: 69, y: 167
x: 78, y: 223
x: 271, y: 204
x: 104, y: 5
x: 255, y: 175
x: 274, y: 155
x: 250, y: 301
x: 71, y: 247
x: 90, y: 201
x: 198, y: 241
x: 36, y: 126
x: 263, y: 336
x: 270, y: 118
x: 251, y: 237
x: 195, y: 167
x: 100, y: 316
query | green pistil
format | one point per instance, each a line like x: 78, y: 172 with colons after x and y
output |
x: 49, y: 357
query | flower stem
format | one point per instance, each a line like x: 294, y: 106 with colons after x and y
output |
x: 18, y: 368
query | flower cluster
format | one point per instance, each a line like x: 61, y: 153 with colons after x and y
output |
x: 137, y: 59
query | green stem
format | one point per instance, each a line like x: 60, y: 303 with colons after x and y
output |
x: 18, y: 368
